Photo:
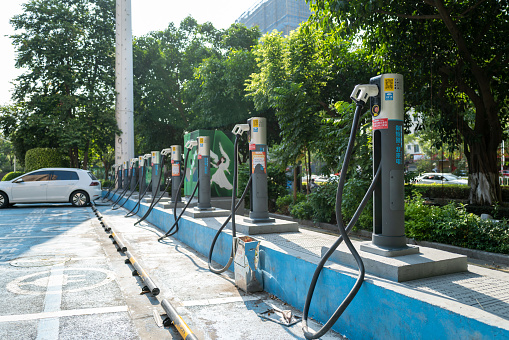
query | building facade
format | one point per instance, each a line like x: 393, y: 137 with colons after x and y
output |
x: 280, y: 15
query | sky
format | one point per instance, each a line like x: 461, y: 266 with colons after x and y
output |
x: 147, y: 15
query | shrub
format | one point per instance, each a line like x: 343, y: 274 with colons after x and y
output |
x: 323, y: 202
x: 105, y: 183
x: 355, y: 189
x: 302, y: 210
x: 43, y: 158
x: 276, y: 184
x: 12, y: 175
x: 453, y: 224
x: 451, y: 191
x: 285, y: 203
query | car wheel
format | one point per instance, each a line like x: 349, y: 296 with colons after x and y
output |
x: 79, y: 199
x: 4, y: 200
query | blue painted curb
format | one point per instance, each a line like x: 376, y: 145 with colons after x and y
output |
x: 381, y: 309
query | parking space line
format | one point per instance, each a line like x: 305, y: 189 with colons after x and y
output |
x: 63, y: 313
x: 48, y: 327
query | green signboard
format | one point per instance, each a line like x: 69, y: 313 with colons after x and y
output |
x: 221, y: 163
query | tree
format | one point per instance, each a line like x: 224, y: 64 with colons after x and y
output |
x: 455, y: 58
x: 66, y: 95
x: 6, y: 155
x: 164, y: 61
x: 217, y: 92
x: 301, y: 77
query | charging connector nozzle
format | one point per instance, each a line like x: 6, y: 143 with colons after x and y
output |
x: 239, y: 129
x: 361, y: 93
x: 191, y: 143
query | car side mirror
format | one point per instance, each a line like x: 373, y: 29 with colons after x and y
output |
x: 19, y: 180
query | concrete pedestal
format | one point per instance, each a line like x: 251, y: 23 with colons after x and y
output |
x: 278, y: 226
x: 427, y: 262
x: 213, y: 212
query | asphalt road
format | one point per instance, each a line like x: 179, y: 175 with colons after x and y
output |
x: 61, y: 278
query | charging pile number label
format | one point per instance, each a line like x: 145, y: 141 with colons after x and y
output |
x: 399, y: 144
x: 175, y: 169
x: 258, y: 158
x: 252, y: 146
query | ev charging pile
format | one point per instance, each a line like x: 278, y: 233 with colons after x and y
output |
x: 132, y: 184
x: 387, y: 188
x: 204, y: 207
x: 285, y: 267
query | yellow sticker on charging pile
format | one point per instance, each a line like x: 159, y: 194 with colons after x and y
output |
x: 389, y: 84
x: 255, y: 122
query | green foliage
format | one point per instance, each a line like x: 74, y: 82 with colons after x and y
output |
x: 163, y: 61
x: 12, y: 175
x: 284, y: 204
x: 451, y: 191
x: 190, y: 77
x: 66, y: 49
x: 452, y: 224
x: 105, y: 183
x: 454, y: 58
x: 6, y: 155
x: 323, y: 201
x: 333, y: 141
x: 43, y: 158
x: 304, y: 78
x: 276, y: 182
x: 355, y: 189
x: 302, y: 210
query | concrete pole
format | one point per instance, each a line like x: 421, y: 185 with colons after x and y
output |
x: 124, y: 143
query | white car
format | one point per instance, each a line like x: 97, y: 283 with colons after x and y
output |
x: 51, y: 185
x: 440, y: 178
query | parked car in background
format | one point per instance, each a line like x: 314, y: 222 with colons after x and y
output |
x: 51, y: 185
x: 439, y: 178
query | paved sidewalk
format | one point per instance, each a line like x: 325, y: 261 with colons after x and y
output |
x: 210, y: 304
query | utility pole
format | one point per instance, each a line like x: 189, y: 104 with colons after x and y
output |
x: 124, y: 106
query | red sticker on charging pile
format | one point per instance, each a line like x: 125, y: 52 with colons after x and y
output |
x: 380, y: 124
x: 199, y: 156
x: 252, y: 146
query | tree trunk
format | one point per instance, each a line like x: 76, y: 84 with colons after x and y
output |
x: 73, y: 155
x: 85, y: 156
x: 309, y: 172
x: 483, y: 174
x: 295, y: 170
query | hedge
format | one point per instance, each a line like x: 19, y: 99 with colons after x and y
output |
x: 43, y: 158
x: 12, y: 175
x: 451, y: 191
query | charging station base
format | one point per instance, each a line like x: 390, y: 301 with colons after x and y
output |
x: 244, y: 226
x: 204, y: 213
x: 169, y: 205
x: 427, y: 262
x: 148, y: 198
x: 373, y: 248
